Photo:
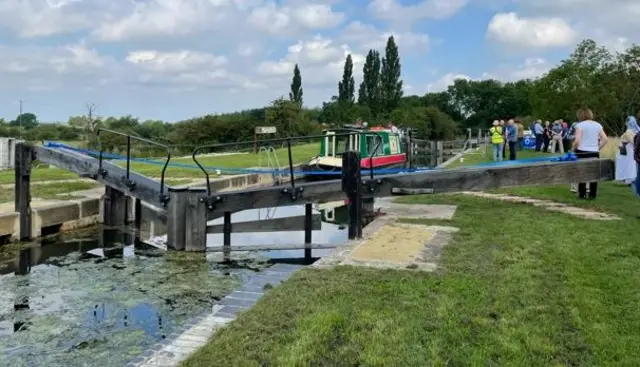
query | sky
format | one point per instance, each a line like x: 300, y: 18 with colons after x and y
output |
x: 177, y: 59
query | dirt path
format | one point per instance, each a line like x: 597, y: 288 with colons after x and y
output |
x: 548, y: 205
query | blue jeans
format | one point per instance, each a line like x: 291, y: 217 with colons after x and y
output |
x: 497, y: 152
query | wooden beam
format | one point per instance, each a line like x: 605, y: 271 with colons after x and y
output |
x: 296, y: 246
x: 145, y: 189
x: 287, y: 224
x: 436, y: 181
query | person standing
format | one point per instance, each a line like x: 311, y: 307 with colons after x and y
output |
x: 538, y: 131
x: 520, y: 127
x: 546, y: 136
x: 556, y: 137
x: 626, y: 170
x: 504, y: 146
x: 497, y: 141
x: 590, y: 139
x: 511, y: 135
x: 566, y: 143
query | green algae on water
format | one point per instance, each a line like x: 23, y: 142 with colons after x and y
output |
x: 81, y: 310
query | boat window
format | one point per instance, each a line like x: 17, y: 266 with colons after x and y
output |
x: 371, y: 145
x: 342, y: 144
x: 393, y: 145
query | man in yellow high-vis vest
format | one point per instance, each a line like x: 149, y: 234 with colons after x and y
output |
x: 497, y: 141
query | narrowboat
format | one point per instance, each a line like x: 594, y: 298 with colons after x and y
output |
x: 389, y: 154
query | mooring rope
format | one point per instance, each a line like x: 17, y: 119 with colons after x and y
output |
x: 570, y: 156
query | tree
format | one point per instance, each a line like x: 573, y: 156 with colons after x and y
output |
x: 27, y: 120
x: 369, y: 91
x: 390, y: 82
x: 346, y: 88
x: 296, y: 87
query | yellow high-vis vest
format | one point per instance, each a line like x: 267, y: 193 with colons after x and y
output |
x: 496, y: 135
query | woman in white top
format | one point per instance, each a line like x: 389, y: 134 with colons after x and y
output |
x: 590, y: 138
x: 626, y: 168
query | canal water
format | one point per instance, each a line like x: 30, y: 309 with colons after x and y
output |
x: 99, y: 298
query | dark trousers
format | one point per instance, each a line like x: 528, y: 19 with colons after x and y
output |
x: 546, y: 141
x: 520, y: 143
x: 582, y: 186
x: 567, y: 144
x: 504, y: 151
x: 512, y: 150
x: 538, y: 142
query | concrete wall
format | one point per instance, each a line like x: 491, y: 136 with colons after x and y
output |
x: 7, y: 152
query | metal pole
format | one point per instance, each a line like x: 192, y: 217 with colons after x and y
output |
x: 308, y: 227
x: 227, y: 236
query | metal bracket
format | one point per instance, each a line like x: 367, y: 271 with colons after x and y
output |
x: 372, y: 184
x: 164, y: 198
x: 131, y: 184
x: 211, y: 201
x: 103, y: 172
x: 294, y: 192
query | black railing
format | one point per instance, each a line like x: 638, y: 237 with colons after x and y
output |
x: 131, y: 184
x: 294, y: 191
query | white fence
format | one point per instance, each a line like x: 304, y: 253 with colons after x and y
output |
x: 7, y: 152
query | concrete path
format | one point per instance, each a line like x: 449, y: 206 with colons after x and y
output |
x: 388, y: 244
x: 548, y: 205
x: 196, y: 334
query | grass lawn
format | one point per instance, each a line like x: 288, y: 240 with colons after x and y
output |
x: 300, y: 153
x: 518, y: 286
x: 49, y: 191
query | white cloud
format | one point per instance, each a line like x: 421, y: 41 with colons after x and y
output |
x: 320, y: 59
x: 514, y: 31
x: 392, y: 10
x: 530, y: 68
x: 445, y: 81
x: 365, y: 37
x: 171, y: 62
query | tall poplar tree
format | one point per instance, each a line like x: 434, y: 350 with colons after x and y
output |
x: 296, y: 87
x: 390, y: 82
x: 346, y: 88
x: 369, y: 92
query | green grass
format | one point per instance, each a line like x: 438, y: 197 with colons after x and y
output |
x: 300, y: 153
x: 49, y: 191
x: 39, y: 174
x: 518, y: 286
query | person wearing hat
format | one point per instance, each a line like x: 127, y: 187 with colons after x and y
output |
x: 497, y: 140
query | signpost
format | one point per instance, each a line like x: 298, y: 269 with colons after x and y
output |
x: 261, y: 130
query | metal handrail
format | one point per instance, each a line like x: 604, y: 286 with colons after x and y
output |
x: 129, y: 137
x: 286, y: 141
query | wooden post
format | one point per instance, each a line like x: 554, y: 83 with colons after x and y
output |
x: 409, y: 150
x: 196, y: 220
x: 176, y: 218
x: 433, y: 154
x: 308, y: 228
x: 226, y: 234
x: 352, y: 186
x: 23, y: 158
x: 115, y: 207
x: 440, y: 153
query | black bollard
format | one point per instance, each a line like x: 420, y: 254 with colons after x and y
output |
x: 352, y: 186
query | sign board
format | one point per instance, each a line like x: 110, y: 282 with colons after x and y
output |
x: 265, y: 130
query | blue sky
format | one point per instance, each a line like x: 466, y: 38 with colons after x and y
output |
x: 175, y: 59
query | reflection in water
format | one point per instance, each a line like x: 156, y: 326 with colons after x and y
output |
x: 103, y: 297
x: 97, y: 300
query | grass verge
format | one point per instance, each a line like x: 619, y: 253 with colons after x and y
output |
x: 300, y: 153
x: 50, y: 191
x: 519, y: 286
